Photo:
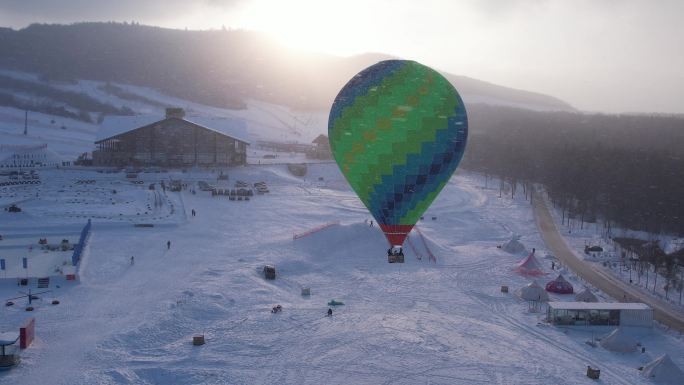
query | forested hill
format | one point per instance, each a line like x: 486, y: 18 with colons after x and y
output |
x: 219, y: 68
x: 623, y: 169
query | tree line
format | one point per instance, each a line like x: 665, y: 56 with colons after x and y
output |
x: 625, y: 170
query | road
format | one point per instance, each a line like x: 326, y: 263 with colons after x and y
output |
x: 619, y: 290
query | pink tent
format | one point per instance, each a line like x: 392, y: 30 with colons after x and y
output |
x: 560, y: 286
x: 529, y: 266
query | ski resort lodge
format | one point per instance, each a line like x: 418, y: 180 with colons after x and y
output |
x: 171, y: 142
x: 600, y: 313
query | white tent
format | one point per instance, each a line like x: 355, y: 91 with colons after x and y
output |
x: 663, y: 371
x: 514, y: 246
x: 585, y: 296
x: 533, y: 292
x: 619, y: 341
x: 529, y: 266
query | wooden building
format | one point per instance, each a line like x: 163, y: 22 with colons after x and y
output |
x: 171, y: 142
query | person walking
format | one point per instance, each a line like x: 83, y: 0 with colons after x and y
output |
x: 329, y: 312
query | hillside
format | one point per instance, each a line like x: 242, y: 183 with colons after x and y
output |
x: 217, y: 68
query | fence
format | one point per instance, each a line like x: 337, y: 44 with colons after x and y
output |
x: 78, y: 250
x: 413, y: 247
x: 431, y: 257
x: 315, y: 230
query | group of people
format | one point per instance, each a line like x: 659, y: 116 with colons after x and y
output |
x: 392, y: 251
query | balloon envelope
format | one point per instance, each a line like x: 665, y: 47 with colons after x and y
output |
x: 397, y: 131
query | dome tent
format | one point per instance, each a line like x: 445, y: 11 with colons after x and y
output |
x: 533, y: 292
x: 619, y: 341
x: 560, y: 286
x: 529, y: 266
x: 513, y: 246
x: 586, y: 296
x: 663, y: 371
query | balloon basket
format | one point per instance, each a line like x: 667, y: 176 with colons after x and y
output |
x: 395, y: 258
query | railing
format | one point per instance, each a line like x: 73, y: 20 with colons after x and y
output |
x: 78, y: 250
x: 315, y: 230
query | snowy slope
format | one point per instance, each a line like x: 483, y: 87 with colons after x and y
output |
x: 420, y: 322
x: 69, y: 137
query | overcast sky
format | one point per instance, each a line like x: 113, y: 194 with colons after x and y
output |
x: 601, y: 55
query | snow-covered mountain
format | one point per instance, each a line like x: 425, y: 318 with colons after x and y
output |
x: 70, y: 130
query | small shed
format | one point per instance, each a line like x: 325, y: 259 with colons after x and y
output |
x: 8, y: 360
x: 269, y: 272
x: 560, y: 286
x: 600, y: 313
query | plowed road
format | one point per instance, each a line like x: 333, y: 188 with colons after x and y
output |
x: 621, y: 291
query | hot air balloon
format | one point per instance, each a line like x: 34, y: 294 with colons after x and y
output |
x: 397, y: 131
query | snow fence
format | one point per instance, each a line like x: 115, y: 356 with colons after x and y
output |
x: 78, y: 250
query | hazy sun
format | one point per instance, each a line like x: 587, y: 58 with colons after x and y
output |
x: 339, y: 28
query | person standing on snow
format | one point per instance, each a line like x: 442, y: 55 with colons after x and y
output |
x: 168, y: 245
x: 132, y: 260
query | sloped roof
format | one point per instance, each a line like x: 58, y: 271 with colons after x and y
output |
x: 663, y: 371
x: 586, y: 296
x: 599, y: 305
x: 529, y: 266
x: 533, y: 292
x: 560, y: 285
x: 116, y: 125
x: 619, y: 341
x: 514, y: 246
x: 321, y: 139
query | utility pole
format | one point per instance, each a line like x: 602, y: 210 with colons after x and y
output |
x: 25, y: 122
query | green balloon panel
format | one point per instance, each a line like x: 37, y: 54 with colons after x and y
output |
x: 398, y: 131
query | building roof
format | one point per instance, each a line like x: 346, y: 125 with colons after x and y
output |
x: 598, y: 306
x: 117, y: 125
x: 321, y: 139
x: 8, y: 338
x: 663, y: 370
x: 586, y: 296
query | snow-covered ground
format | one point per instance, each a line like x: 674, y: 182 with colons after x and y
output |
x: 594, y: 234
x: 414, y: 323
x: 70, y: 138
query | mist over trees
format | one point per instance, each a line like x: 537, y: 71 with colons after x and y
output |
x: 623, y: 169
x: 221, y: 68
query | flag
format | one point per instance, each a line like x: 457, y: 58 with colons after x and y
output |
x: 24, y: 261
